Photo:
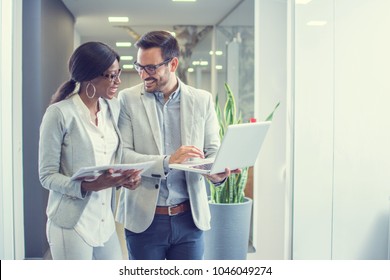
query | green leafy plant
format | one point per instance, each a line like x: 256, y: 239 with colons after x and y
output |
x: 232, y: 190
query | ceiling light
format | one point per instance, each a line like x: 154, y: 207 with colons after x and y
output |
x: 123, y: 44
x: 218, y: 67
x: 316, y: 23
x: 128, y: 66
x: 216, y: 52
x: 201, y: 63
x: 126, y: 57
x: 118, y: 19
x: 302, y: 2
x: 190, y: 69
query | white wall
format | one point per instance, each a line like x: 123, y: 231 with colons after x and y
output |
x: 11, y: 194
x: 270, y: 188
x: 2, y: 156
x: 342, y: 131
x: 314, y: 101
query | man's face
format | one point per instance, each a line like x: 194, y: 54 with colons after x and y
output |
x: 153, y: 70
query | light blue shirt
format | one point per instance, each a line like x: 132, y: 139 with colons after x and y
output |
x: 173, y: 190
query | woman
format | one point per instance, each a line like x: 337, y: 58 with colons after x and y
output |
x: 79, y: 129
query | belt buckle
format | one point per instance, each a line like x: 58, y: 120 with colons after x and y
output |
x: 170, y: 210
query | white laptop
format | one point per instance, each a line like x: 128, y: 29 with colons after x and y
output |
x: 240, y: 148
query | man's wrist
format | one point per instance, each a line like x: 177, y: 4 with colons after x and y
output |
x: 219, y: 183
x: 166, y: 164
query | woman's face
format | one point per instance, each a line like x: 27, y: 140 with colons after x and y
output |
x: 107, y: 84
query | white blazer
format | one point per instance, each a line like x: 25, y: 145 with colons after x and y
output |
x: 139, y: 126
x: 64, y: 147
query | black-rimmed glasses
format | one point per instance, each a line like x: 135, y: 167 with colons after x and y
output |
x: 113, y: 77
x: 151, y: 69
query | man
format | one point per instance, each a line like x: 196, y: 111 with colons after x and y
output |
x: 163, y: 119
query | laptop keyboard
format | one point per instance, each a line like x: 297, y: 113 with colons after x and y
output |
x: 206, y: 166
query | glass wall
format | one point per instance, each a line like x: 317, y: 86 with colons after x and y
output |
x: 226, y: 55
x: 236, y: 43
x: 232, y: 45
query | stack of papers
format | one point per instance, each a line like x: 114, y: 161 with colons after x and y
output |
x: 92, y: 172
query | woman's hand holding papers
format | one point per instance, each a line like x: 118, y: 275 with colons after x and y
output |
x: 129, y: 179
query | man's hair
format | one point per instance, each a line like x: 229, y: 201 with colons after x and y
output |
x: 160, y: 39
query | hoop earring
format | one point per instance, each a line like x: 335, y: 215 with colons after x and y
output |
x: 94, y: 90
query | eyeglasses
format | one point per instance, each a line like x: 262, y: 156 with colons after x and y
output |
x: 151, y: 69
x: 113, y: 77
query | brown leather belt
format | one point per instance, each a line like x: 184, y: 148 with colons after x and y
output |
x: 174, y: 209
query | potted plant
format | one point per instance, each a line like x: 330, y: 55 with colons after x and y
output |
x: 230, y: 209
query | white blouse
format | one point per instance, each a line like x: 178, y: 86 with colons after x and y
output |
x: 97, y: 224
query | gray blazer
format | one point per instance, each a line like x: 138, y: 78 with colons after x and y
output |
x: 64, y: 147
x: 139, y: 126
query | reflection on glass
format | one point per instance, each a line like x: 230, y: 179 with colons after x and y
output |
x: 235, y: 38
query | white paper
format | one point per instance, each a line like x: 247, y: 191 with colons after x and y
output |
x: 92, y: 172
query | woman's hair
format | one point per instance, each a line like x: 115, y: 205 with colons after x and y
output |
x: 87, y: 62
x: 160, y: 39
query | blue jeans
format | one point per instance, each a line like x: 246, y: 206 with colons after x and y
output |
x: 168, y: 237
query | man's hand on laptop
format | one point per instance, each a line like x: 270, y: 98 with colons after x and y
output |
x: 219, y: 178
x: 184, y: 153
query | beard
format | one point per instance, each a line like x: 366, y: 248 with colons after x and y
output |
x: 152, y: 84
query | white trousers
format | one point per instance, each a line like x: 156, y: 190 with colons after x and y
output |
x: 66, y: 244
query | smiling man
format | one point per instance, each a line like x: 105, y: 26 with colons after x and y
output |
x: 165, y: 120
